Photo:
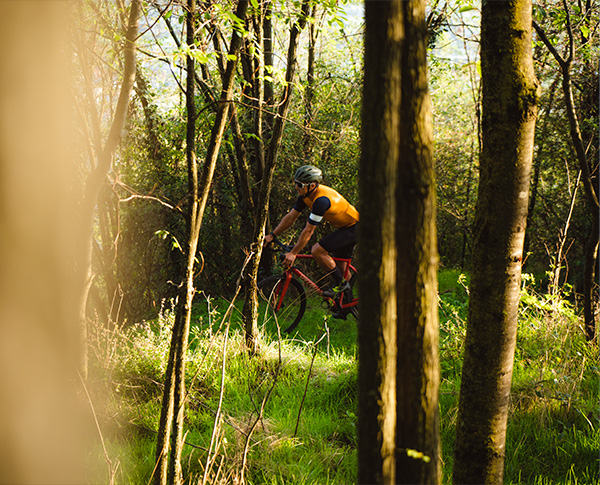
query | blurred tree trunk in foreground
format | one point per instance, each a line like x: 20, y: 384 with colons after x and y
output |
x: 41, y: 425
x: 398, y: 431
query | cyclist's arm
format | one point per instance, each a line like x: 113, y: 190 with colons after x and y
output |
x: 283, y: 225
x: 303, y: 239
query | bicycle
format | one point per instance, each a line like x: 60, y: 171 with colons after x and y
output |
x: 287, y: 294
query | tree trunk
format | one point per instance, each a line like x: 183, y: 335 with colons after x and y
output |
x: 250, y: 310
x: 398, y: 431
x: 173, y: 405
x: 398, y: 428
x: 590, y: 188
x: 416, y: 274
x: 98, y: 175
x: 44, y: 417
x: 269, y: 96
x: 309, y: 95
x: 509, y: 109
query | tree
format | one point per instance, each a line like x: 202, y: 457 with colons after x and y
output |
x: 104, y: 152
x: 250, y: 310
x: 170, y: 434
x: 509, y: 109
x: 418, y: 373
x: 588, y: 171
x: 39, y: 244
x: 398, y: 369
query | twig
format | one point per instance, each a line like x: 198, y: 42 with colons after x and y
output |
x: 111, y: 471
x: 307, y: 381
x: 223, y: 369
x: 218, y: 414
x: 262, y: 407
x: 149, y: 197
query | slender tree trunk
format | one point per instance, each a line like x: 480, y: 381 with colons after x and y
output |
x: 590, y: 288
x: 250, y: 310
x: 269, y: 96
x: 168, y: 436
x: 537, y: 165
x: 242, y: 163
x: 309, y: 95
x: 590, y: 188
x: 98, y: 175
x: 258, y: 90
x: 173, y: 404
x: 417, y: 362
x: 509, y: 110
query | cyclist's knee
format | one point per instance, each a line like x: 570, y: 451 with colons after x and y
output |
x: 317, y: 250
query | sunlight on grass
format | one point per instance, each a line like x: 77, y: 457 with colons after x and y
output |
x: 552, y: 436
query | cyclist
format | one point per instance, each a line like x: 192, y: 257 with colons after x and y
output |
x: 324, y: 203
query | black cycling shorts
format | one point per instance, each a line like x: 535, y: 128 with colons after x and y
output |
x: 340, y: 243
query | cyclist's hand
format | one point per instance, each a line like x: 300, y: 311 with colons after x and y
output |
x: 268, y: 239
x: 288, y: 260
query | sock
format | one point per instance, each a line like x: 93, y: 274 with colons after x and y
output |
x: 336, y: 276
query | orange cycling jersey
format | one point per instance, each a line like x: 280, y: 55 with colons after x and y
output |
x: 326, y: 203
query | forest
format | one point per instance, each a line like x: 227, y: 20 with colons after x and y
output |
x: 136, y: 301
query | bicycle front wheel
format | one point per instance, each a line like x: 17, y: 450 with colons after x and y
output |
x: 286, y: 305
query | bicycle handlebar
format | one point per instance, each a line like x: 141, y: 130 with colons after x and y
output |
x: 277, y: 245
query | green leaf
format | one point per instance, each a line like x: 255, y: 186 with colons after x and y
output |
x: 418, y: 455
x: 585, y: 31
x: 162, y: 234
x: 254, y: 3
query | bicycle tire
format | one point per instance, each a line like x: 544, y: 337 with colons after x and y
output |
x: 292, y: 308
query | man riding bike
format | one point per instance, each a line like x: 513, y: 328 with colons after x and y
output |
x: 324, y: 203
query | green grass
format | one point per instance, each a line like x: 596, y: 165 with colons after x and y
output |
x: 552, y: 435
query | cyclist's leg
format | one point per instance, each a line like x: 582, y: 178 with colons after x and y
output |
x: 323, y: 257
x: 339, y: 244
x: 325, y: 261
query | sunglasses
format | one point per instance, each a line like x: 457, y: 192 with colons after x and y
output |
x: 300, y: 185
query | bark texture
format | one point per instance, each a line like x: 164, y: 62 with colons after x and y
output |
x: 398, y: 365
x: 418, y: 365
x: 509, y: 109
x: 377, y: 285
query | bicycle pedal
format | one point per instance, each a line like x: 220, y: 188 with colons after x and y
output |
x: 341, y: 315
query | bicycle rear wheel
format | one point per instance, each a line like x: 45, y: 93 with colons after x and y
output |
x: 288, y: 308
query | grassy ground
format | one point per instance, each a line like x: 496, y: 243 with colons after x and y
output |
x: 306, y: 388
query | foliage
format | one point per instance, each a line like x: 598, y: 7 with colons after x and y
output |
x: 556, y: 166
x: 151, y: 160
x: 456, y: 155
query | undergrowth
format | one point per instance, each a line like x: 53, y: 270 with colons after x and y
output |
x: 289, y: 412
